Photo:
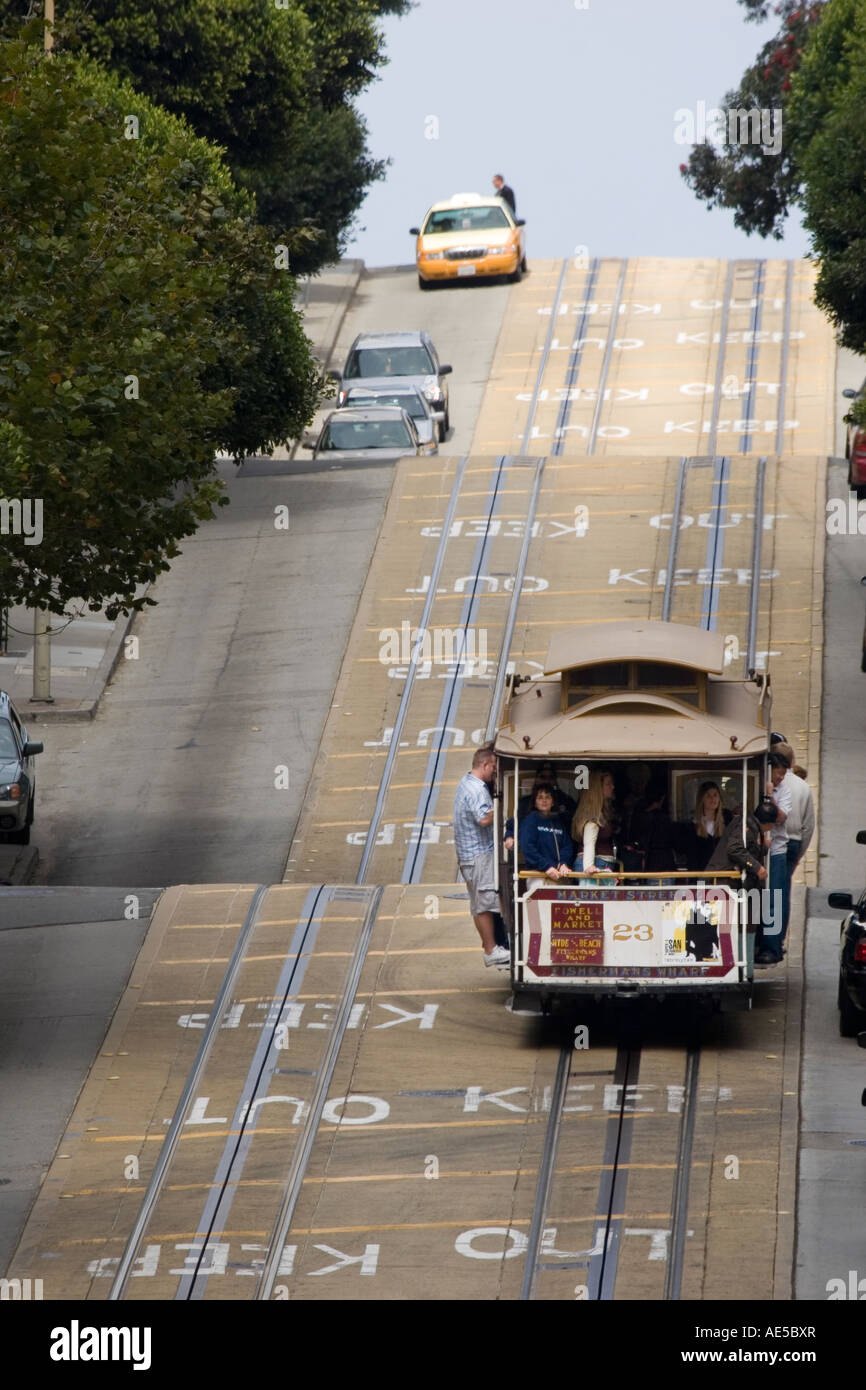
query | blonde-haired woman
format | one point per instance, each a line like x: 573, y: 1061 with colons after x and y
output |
x: 595, y: 824
x: 710, y: 823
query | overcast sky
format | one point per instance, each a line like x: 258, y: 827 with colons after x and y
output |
x: 575, y: 106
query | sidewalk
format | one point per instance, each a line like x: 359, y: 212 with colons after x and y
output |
x: 324, y: 302
x: 86, y: 651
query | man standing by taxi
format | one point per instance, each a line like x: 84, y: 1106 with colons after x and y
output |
x: 473, y: 840
x: 501, y: 190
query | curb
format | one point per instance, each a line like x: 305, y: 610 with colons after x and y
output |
x: 18, y: 864
x: 325, y: 352
x: 80, y: 711
x: 356, y: 271
x: 789, y: 1152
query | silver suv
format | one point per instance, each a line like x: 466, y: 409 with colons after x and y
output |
x: 379, y: 360
x: 17, y: 774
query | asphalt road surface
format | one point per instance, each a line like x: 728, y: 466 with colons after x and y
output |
x: 196, y: 767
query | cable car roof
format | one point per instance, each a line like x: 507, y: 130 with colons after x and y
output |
x: 636, y: 640
x: 622, y: 728
x: 708, y: 715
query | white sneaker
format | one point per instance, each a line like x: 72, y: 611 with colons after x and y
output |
x: 498, y: 956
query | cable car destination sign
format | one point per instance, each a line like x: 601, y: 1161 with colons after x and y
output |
x: 601, y: 934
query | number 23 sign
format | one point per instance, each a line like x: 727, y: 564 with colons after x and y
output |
x: 633, y: 931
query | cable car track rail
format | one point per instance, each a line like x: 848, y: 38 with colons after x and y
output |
x: 680, y: 1199
x: 253, y: 1089
x: 575, y: 358
x: 167, y: 1152
x: 303, y: 1149
x: 400, y: 719
x: 614, y: 1179
x: 545, y: 1175
x: 754, y: 348
x: 605, y: 366
x: 416, y: 852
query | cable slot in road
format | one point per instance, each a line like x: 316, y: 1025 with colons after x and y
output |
x: 614, y: 1179
x: 400, y: 719
x: 680, y: 1201
x: 172, y: 1138
x: 304, y: 1148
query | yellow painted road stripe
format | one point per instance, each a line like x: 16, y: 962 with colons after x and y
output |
x: 361, y: 994
x: 635, y: 590
x: 468, y: 1223
x: 527, y: 1118
x: 411, y: 1177
x: 333, y: 955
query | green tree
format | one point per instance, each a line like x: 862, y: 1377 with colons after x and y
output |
x: 322, y: 174
x: 828, y: 102
x: 140, y: 311
x: 237, y: 70
x: 815, y: 69
x: 273, y: 86
x: 758, y: 186
x: 316, y: 186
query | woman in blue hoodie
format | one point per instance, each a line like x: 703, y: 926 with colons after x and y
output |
x: 544, y: 839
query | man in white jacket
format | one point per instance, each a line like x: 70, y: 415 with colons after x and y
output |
x: 800, y: 824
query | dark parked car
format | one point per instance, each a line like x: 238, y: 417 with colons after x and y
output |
x: 17, y: 775
x: 407, y: 359
x: 852, y: 960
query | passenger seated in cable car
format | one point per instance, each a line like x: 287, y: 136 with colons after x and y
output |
x: 639, y: 776
x: 596, y: 823
x: 544, y: 839
x: 563, y: 804
x: 653, y: 836
x: 703, y: 833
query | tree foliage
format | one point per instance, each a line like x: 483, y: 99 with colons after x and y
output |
x: 759, y: 186
x: 237, y: 70
x: 316, y: 186
x: 828, y: 104
x: 815, y: 69
x: 143, y: 325
x: 318, y: 179
x: 273, y: 86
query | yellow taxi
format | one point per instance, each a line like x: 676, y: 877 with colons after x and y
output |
x: 469, y: 235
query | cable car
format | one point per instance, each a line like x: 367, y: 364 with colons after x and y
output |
x: 652, y: 704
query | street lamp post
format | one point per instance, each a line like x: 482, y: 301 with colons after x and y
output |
x: 42, y: 657
x: 41, y: 620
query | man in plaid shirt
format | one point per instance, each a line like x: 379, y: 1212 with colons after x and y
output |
x: 473, y: 839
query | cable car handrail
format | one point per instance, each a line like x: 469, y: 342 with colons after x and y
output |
x: 629, y: 873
